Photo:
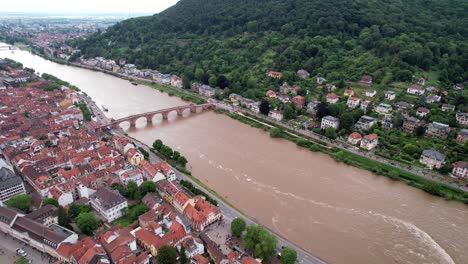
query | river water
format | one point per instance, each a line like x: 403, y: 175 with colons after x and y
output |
x: 340, y: 213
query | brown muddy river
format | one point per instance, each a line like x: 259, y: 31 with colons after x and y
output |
x: 340, y: 213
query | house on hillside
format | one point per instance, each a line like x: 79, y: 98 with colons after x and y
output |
x: 447, y: 108
x: 348, y: 92
x: 410, y: 124
x: 330, y: 121
x: 462, y: 118
x: 366, y: 80
x: 271, y: 94
x: 365, y: 104
x: 436, y: 129
x: 321, y: 80
x: 370, y: 141
x: 432, y: 159
x: 365, y: 122
x: 383, y: 108
x: 371, y: 93
x: 298, y: 101
x: 354, y: 138
x: 462, y: 136
x: 332, y: 98
x: 353, y: 102
x: 460, y: 169
x: 422, y: 111
x: 276, y: 114
x: 303, y: 74
x: 420, y: 81
x: 273, y: 74
x: 415, y: 89
x: 390, y: 95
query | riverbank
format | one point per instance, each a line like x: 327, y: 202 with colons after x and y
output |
x: 355, y: 160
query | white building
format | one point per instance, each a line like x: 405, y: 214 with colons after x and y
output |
x: 330, y: 121
x: 108, y: 203
x: 390, y: 95
x: 432, y: 159
x: 370, y: 141
x: 127, y: 175
x: 10, y: 184
x: 460, y: 169
x: 192, y: 247
x: 275, y: 114
x: 206, y: 90
x: 353, y: 102
x: 383, y: 108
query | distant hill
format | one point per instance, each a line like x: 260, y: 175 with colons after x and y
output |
x: 337, y: 39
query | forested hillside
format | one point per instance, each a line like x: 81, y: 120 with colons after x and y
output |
x: 337, y: 39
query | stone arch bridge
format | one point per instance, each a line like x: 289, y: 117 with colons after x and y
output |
x: 191, y: 108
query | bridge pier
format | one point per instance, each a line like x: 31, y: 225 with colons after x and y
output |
x: 132, y: 122
x: 193, y: 109
x: 165, y: 115
x: 180, y: 112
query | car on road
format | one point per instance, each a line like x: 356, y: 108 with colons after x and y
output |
x: 21, y: 252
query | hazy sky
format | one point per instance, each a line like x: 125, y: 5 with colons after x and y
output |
x: 86, y: 6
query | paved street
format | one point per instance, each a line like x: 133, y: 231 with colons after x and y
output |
x: 9, y: 246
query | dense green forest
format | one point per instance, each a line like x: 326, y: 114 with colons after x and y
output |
x: 339, y: 39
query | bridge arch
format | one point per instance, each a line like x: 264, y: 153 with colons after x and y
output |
x: 150, y: 117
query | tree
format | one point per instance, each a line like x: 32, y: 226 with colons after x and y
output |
x: 335, y: 109
x: 288, y: 112
x: 346, y: 120
x: 157, y: 144
x: 288, y: 256
x: 410, y: 149
x: 183, y: 257
x: 398, y: 120
x: 182, y: 160
x: 420, y: 130
x: 322, y: 110
x: 117, y: 186
x: 330, y: 132
x: 264, y: 107
x: 75, y: 209
x: 146, y: 187
x: 222, y: 82
x: 138, y: 210
x: 238, y: 226
x: 261, y: 241
x: 166, y: 151
x: 176, y: 155
x: 132, y: 189
x: 63, y: 218
x: 51, y: 201
x: 87, y: 222
x: 167, y: 255
x: 276, y: 132
x: 20, y: 201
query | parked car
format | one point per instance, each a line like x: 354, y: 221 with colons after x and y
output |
x: 21, y: 252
